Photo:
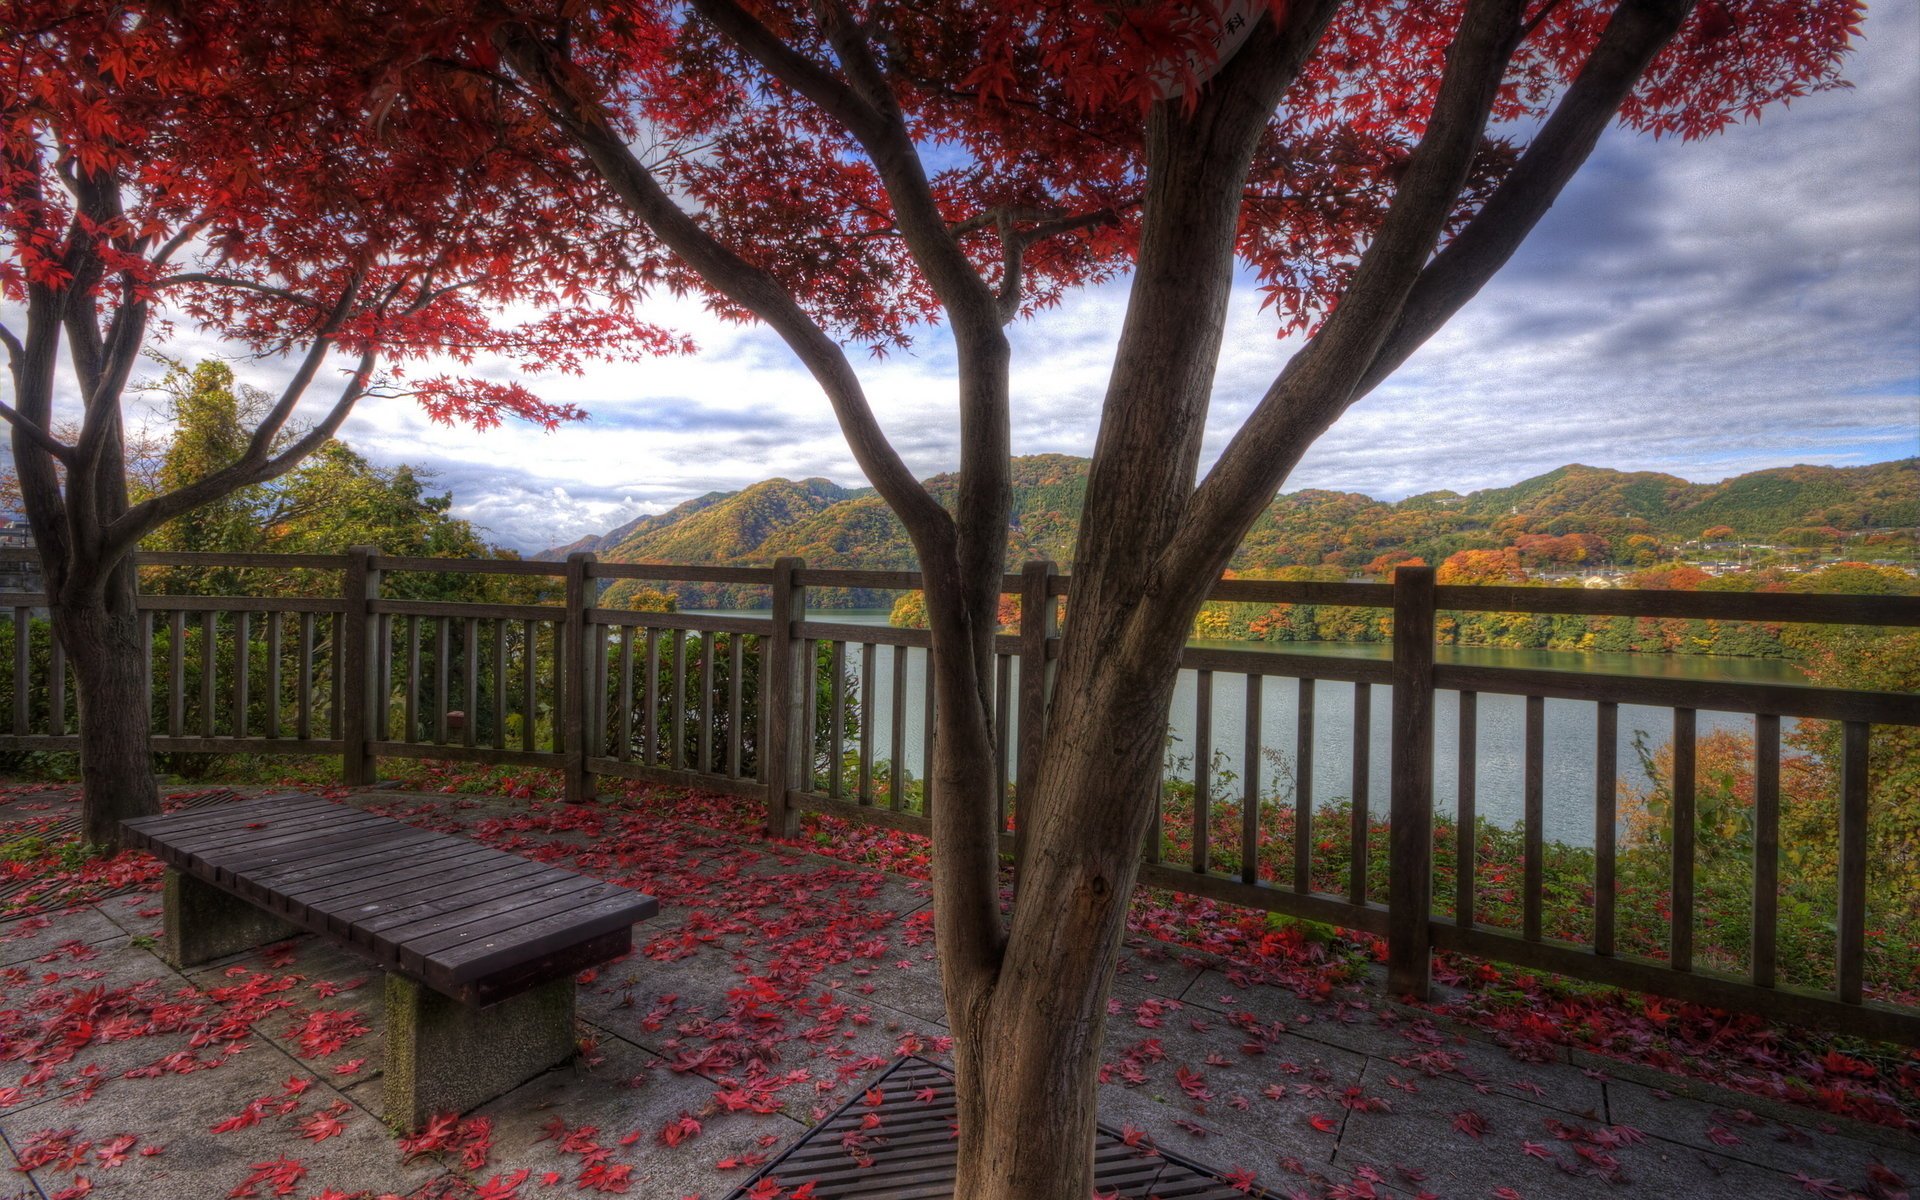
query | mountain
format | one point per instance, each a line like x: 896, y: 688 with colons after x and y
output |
x: 1626, y: 517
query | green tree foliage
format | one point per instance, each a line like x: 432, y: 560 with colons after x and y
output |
x: 335, y: 499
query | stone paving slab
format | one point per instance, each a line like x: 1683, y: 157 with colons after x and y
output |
x: 1738, y: 1132
x: 177, y: 1114
x: 26, y: 939
x: 139, y: 914
x: 629, y: 1095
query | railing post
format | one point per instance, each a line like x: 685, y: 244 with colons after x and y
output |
x: 1410, y: 841
x: 1037, y: 626
x: 783, y: 684
x: 360, y: 586
x: 576, y: 678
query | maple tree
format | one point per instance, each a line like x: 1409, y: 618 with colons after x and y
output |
x: 145, y: 186
x: 844, y: 172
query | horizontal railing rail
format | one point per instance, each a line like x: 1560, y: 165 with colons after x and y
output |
x: 809, y: 711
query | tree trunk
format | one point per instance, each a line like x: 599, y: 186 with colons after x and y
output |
x: 101, y: 636
x: 1027, y: 1060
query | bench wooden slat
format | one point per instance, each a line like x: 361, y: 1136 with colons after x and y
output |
x: 440, y: 878
x: 490, y: 915
x: 211, y: 839
x: 477, y: 923
x: 407, y: 908
x: 475, y: 961
x: 322, y: 898
x: 223, y: 815
x: 377, y: 873
x: 336, y: 842
x: 303, y: 878
x: 214, y: 844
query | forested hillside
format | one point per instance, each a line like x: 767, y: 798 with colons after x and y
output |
x: 1573, y: 518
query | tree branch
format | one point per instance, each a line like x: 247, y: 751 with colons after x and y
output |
x: 1317, y: 385
x: 38, y: 436
x: 248, y: 285
x: 1637, y: 32
x: 261, y: 443
x: 250, y: 469
x: 753, y: 289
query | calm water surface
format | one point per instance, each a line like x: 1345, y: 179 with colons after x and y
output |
x: 1569, y: 751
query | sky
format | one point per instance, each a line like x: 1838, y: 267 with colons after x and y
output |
x: 1704, y: 309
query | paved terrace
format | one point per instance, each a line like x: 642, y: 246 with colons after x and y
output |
x: 773, y: 987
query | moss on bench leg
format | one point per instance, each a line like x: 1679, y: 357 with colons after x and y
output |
x: 444, y: 1056
x: 204, y: 923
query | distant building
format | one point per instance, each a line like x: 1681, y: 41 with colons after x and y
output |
x: 18, y: 575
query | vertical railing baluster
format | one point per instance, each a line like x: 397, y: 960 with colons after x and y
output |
x: 928, y: 735
x: 623, y: 750
x: 1157, y: 825
x: 412, y: 707
x: 303, y: 711
x: 1038, y: 623
x: 837, y: 716
x: 242, y: 663
x: 529, y: 685
x: 897, y: 741
x: 781, y: 677
x: 677, y: 718
x: 574, y: 678
x: 337, y: 679
x: 379, y: 722
x: 868, y: 652
x: 704, y: 736
x: 176, y: 673
x: 650, y: 703
x: 209, y: 670
x: 1202, y: 767
x: 470, y: 724
x: 1466, y: 811
x: 22, y: 672
x: 442, y: 673
x: 1250, y: 783
x: 1533, y: 802
x: 1303, y: 789
x: 1851, y: 945
x: 558, y: 678
x: 56, y: 688
x: 1766, y: 845
x: 736, y: 704
x: 810, y: 713
x: 499, y: 740
x: 352, y: 673
x: 275, y: 624
x: 1606, y: 767
x: 1410, y: 801
x: 1361, y: 786
x: 1002, y: 733
x: 146, y: 665
x: 1680, y: 952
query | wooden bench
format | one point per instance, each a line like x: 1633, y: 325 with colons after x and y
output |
x: 480, y: 946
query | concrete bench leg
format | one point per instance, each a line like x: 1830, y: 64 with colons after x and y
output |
x: 205, y: 923
x: 444, y: 1056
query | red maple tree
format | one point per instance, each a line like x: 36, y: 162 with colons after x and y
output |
x: 843, y: 171
x: 147, y: 184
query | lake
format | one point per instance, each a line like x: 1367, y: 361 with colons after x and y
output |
x: 1569, y: 747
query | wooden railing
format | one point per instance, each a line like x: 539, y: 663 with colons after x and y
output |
x: 812, y: 714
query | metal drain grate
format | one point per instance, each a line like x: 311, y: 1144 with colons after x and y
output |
x: 908, y: 1155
